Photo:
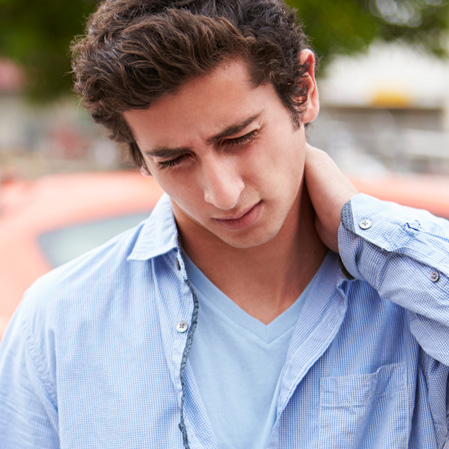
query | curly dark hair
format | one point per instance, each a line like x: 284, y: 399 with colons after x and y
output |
x: 136, y: 51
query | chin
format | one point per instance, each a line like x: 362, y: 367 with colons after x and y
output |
x: 252, y: 239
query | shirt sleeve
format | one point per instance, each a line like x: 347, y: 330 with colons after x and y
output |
x: 28, y: 414
x: 403, y: 253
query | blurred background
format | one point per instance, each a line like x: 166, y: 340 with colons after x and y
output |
x: 384, y: 85
x: 383, y: 78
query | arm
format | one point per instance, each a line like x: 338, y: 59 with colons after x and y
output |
x: 28, y: 416
x: 401, y: 252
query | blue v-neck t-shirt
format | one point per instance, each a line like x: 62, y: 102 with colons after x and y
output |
x: 237, y: 361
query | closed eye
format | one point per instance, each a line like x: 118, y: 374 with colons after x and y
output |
x: 232, y: 142
x: 170, y: 163
x: 242, y: 139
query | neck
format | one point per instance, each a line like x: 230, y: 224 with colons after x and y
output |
x: 275, y: 273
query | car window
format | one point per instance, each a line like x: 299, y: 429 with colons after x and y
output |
x: 64, y: 244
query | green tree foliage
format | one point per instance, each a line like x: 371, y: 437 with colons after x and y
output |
x: 348, y: 26
x: 37, y: 35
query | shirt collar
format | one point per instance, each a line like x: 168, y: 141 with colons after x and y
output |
x: 159, y: 234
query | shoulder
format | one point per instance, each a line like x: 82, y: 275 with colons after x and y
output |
x: 100, y: 297
x: 113, y: 280
x: 89, y: 268
x: 84, y: 286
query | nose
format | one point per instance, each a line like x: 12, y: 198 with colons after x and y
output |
x: 222, y: 183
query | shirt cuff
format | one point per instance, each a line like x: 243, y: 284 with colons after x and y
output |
x: 372, y: 229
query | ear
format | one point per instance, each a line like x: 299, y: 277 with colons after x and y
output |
x: 144, y: 170
x: 312, y: 105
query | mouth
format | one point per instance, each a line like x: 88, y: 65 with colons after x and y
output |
x: 243, y: 220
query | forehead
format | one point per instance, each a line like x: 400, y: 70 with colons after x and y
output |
x: 221, y: 86
x: 202, y: 106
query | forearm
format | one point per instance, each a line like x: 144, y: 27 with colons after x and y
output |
x: 403, y: 253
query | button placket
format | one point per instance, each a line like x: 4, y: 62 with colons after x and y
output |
x: 182, y: 326
x: 435, y: 276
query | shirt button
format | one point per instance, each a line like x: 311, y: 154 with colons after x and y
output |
x: 178, y: 265
x: 365, y: 224
x: 182, y: 326
x: 435, y: 276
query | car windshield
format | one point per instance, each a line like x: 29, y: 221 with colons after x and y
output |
x: 64, y: 244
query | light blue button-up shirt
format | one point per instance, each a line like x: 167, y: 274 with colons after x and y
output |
x: 97, y: 354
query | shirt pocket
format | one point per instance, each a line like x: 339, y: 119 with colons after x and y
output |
x: 365, y: 411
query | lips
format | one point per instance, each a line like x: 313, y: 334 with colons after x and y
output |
x: 243, y: 220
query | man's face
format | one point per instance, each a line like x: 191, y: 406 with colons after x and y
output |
x: 227, y: 154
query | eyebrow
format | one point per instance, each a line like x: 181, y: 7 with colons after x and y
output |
x: 166, y: 152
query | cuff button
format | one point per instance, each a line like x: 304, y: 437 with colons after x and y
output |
x: 365, y: 224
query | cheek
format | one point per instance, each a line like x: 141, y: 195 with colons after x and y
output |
x: 284, y: 158
x: 181, y: 188
x: 287, y: 169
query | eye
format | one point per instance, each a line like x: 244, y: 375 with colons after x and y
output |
x: 171, y: 162
x: 242, y: 139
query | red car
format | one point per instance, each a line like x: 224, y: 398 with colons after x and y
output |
x: 47, y: 222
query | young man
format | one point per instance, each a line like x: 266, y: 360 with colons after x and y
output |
x: 244, y: 313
